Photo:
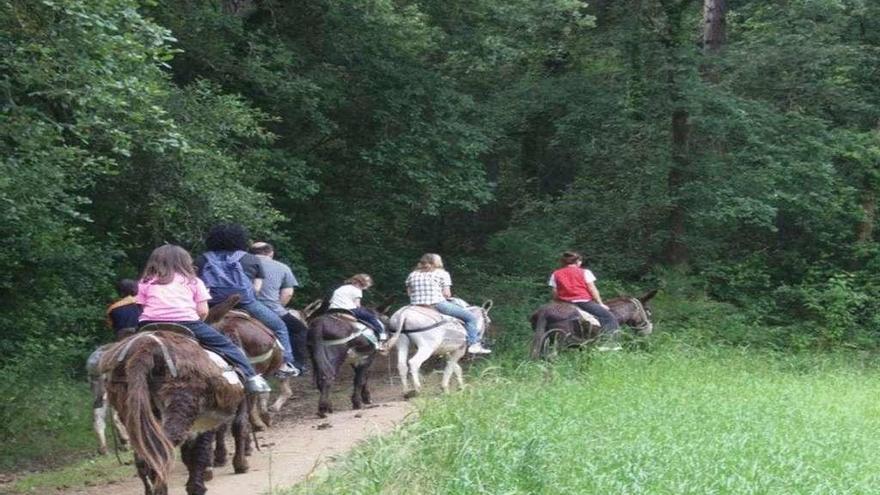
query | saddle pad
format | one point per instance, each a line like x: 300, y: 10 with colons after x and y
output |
x: 228, y: 371
x: 587, y: 317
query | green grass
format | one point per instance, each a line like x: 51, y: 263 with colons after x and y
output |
x: 46, y: 421
x: 88, y: 472
x: 675, y: 420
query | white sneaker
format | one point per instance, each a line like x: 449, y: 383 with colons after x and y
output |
x: 612, y: 347
x: 478, y: 348
x: 257, y: 385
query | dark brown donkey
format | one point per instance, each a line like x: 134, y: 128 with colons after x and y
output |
x: 631, y: 311
x: 169, y: 392
x: 334, y: 338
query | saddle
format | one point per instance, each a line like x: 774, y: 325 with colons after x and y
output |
x: 148, y: 330
x: 361, y: 329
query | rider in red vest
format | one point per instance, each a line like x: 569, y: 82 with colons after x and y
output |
x: 577, y: 285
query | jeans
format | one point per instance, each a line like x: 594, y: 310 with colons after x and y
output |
x: 367, y: 317
x: 456, y: 311
x: 607, y: 321
x: 268, y: 317
x: 213, y: 340
x: 298, y: 334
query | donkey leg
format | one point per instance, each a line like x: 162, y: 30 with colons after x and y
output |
x: 365, y: 390
x: 196, y: 454
x: 240, y: 434
x: 99, y: 424
x: 121, y: 432
x: 283, y: 396
x: 263, y: 402
x: 458, y: 375
x: 255, y: 413
x: 324, y: 385
x: 147, y: 476
x: 220, y: 452
x: 447, y: 374
x: 415, y: 365
x: 360, y: 382
x: 402, y: 368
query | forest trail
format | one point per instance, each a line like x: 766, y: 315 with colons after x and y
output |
x: 297, y: 445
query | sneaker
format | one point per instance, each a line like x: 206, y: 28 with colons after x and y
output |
x: 609, y: 347
x: 288, y: 370
x: 478, y: 348
x: 257, y: 385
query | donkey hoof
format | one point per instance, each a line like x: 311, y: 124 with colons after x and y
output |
x: 411, y: 394
x: 241, y: 468
x: 102, y: 450
x: 208, y: 474
x: 219, y: 462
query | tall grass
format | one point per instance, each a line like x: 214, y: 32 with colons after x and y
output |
x: 676, y: 420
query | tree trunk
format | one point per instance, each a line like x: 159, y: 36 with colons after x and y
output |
x: 714, y: 25
x: 865, y: 228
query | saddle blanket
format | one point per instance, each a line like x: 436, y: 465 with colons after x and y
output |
x: 228, y: 371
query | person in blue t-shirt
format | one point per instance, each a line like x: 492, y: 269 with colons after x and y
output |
x: 227, y: 268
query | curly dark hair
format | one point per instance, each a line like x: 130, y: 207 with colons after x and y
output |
x: 227, y: 237
x: 127, y: 287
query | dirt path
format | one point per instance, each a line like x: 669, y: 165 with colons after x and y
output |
x: 298, y: 443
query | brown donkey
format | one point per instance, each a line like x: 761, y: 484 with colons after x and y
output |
x: 169, y: 392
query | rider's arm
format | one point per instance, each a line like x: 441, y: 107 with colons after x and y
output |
x: 285, y: 296
x: 202, y: 309
x: 447, y: 292
x: 258, y: 284
x: 595, y: 293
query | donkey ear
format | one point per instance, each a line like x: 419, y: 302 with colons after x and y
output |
x: 647, y: 297
x: 487, y: 305
x: 385, y: 306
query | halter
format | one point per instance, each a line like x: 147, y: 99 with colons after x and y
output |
x: 646, y: 325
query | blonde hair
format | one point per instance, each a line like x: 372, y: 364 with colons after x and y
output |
x: 167, y: 261
x: 429, y: 262
x: 361, y: 279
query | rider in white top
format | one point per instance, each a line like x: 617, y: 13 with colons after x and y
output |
x: 348, y: 298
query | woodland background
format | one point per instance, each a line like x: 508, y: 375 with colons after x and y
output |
x: 726, y: 151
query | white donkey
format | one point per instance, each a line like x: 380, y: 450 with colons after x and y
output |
x: 432, y: 333
x: 100, y: 406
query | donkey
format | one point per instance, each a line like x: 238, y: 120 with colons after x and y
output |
x: 169, y: 391
x: 100, y: 407
x: 631, y: 311
x: 432, y: 333
x: 334, y: 338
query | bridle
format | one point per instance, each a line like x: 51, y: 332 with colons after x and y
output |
x: 645, y: 325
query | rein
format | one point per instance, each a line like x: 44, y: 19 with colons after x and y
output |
x: 640, y: 309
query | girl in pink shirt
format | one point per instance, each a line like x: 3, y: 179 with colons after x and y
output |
x: 170, y: 292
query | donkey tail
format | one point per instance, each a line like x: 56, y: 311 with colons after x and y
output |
x: 539, y: 324
x: 396, y: 336
x: 147, y: 436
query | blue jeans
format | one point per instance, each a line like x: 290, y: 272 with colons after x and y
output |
x: 213, y: 340
x: 607, y: 321
x: 456, y: 311
x: 367, y: 317
x: 268, y: 317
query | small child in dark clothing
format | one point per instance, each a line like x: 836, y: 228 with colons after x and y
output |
x: 122, y: 315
